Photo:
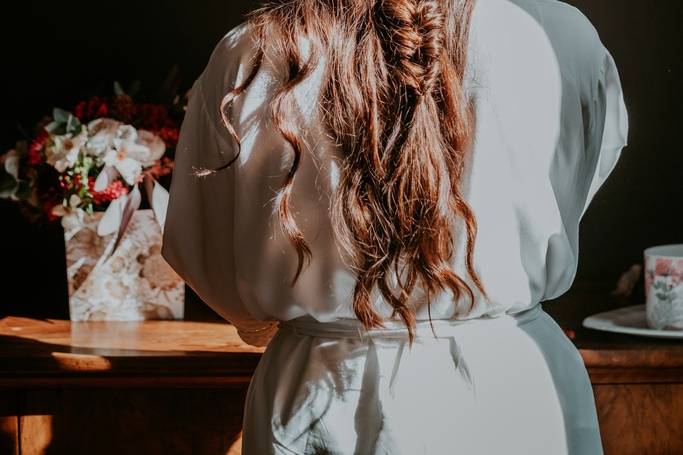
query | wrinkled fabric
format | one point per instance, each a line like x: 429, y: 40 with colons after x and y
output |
x: 510, y: 384
x: 551, y: 122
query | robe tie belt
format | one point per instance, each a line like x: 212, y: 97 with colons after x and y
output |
x: 376, y: 397
x: 442, y: 328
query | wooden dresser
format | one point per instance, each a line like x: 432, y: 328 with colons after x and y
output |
x: 178, y: 387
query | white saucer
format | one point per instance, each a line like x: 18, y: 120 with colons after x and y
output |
x: 630, y: 320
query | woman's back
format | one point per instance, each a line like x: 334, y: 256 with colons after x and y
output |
x: 550, y: 123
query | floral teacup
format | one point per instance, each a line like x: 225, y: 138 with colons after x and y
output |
x: 664, y: 286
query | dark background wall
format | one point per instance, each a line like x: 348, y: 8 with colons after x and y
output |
x: 55, y: 54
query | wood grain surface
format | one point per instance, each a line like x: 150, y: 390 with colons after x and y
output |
x: 178, y: 387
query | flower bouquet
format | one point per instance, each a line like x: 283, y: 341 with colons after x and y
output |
x: 86, y: 168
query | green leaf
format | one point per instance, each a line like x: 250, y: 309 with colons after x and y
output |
x: 7, y: 194
x: 169, y: 88
x: 134, y: 89
x: 73, y: 125
x: 60, y: 115
x: 23, y: 190
x: 8, y: 185
x: 12, y: 163
x: 118, y: 90
x: 55, y: 128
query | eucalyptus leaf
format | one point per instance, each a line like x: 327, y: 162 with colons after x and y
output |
x: 23, y: 190
x: 12, y: 164
x: 134, y: 89
x: 7, y: 194
x: 8, y: 186
x: 73, y: 125
x: 60, y: 115
x: 54, y: 127
x: 118, y: 90
x: 169, y: 88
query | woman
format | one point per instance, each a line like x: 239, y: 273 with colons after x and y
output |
x: 384, y: 192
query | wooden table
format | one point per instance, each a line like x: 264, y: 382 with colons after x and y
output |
x: 178, y: 386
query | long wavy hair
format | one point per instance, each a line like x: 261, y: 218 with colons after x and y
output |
x: 392, y: 98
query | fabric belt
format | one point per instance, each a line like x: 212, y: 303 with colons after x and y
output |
x: 395, y: 330
x: 439, y: 328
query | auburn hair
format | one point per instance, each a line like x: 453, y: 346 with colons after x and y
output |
x: 392, y: 98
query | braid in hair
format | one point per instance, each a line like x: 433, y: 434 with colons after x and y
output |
x: 392, y: 99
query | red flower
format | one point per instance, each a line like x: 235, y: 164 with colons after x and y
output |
x: 47, y: 208
x: 663, y: 266
x: 153, y: 117
x: 169, y: 135
x: 123, y: 108
x: 162, y: 167
x: 50, y: 200
x: 35, y: 148
x: 79, y: 110
x: 113, y: 191
x: 67, y: 182
x: 102, y: 111
x: 91, y: 109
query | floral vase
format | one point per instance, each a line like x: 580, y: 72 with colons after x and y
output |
x: 134, y: 283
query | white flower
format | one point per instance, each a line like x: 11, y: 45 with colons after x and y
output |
x: 123, y: 149
x: 10, y: 161
x: 102, y: 132
x: 129, y: 168
x: 154, y: 143
x: 74, y: 201
x: 59, y: 210
x: 62, y: 151
x: 125, y: 153
x: 73, y: 219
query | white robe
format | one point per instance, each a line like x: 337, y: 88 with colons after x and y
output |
x: 550, y: 126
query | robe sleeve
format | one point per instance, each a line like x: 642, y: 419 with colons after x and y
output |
x: 198, y: 237
x: 607, y: 132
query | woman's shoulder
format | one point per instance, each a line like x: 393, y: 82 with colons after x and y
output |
x: 228, y: 52
x: 572, y: 34
x: 233, y: 40
x: 524, y: 23
x: 235, y: 55
x: 230, y: 62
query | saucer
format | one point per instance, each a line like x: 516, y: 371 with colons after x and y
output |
x: 630, y: 320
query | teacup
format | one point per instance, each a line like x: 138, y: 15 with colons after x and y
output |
x: 664, y: 286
